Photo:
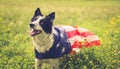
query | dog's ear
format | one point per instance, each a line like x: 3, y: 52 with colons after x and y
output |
x: 38, y: 12
x: 48, y: 24
x: 51, y: 16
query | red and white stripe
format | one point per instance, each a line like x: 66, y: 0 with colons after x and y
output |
x: 80, y: 37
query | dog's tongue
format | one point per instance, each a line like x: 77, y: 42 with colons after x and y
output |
x: 34, y: 32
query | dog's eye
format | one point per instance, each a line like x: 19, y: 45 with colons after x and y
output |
x: 41, y: 22
x: 35, y: 19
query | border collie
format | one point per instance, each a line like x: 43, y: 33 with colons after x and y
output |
x: 52, y: 42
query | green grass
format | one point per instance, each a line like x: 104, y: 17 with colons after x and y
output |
x: 101, y: 17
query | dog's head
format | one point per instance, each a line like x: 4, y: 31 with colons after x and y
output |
x: 41, y: 24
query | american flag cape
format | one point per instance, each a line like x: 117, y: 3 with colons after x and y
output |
x: 67, y: 39
x: 81, y: 37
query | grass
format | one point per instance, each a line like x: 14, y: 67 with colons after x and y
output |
x: 101, y: 17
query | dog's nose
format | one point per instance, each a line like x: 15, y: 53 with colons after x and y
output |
x: 32, y: 25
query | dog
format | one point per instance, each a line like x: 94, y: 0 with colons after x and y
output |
x: 52, y: 42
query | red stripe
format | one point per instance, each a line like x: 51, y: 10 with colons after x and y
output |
x: 86, y: 33
x: 78, y: 44
x: 72, y: 33
x: 93, y: 43
x: 87, y: 44
x: 76, y: 32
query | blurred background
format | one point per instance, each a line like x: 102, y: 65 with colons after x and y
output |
x: 99, y: 16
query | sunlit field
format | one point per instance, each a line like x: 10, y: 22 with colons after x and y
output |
x: 99, y: 16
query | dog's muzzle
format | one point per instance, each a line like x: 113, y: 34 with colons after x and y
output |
x: 34, y: 32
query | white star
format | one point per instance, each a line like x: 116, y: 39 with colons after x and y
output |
x: 63, y: 50
x: 61, y: 35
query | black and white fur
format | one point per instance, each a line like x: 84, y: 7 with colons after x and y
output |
x: 41, y: 30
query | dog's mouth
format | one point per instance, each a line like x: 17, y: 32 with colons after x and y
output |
x: 35, y: 32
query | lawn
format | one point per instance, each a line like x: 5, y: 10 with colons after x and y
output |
x: 99, y: 16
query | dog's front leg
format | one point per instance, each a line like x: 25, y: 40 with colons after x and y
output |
x: 38, y: 64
